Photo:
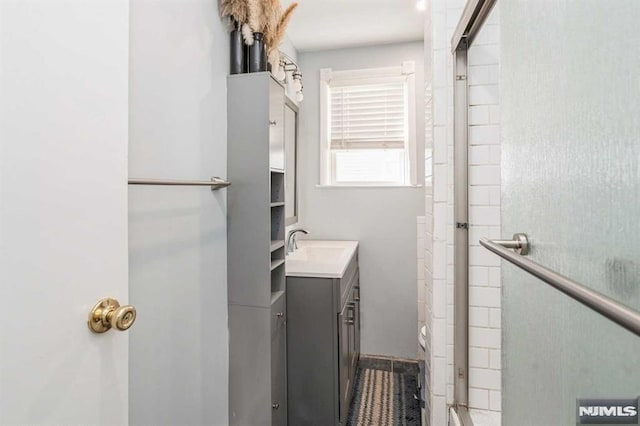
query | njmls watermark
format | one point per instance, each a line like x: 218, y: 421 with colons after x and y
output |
x: 607, y: 411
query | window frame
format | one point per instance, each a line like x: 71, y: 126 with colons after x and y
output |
x: 404, y: 73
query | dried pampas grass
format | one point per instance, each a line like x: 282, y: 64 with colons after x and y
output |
x: 259, y: 16
x: 276, y: 36
x: 236, y: 9
x: 247, y: 34
x: 273, y: 11
x: 255, y: 21
x: 283, y: 23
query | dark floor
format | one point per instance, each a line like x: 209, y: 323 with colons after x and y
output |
x: 385, y: 393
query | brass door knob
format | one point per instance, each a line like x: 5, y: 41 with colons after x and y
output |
x: 108, y: 313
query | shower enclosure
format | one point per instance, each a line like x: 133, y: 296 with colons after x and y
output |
x: 570, y: 180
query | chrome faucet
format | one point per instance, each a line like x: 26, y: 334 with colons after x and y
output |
x: 292, y: 244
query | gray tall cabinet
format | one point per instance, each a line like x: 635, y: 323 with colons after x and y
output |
x: 256, y: 252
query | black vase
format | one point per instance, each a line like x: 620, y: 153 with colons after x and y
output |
x: 238, y: 63
x: 257, y: 54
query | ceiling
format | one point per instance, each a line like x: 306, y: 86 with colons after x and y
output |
x: 333, y: 24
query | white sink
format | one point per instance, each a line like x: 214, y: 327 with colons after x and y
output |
x: 318, y: 254
x: 323, y: 259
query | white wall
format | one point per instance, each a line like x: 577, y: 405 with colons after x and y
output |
x: 484, y: 218
x: 382, y: 219
x: 177, y: 246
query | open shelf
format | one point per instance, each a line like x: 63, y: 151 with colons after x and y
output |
x: 277, y: 254
x: 276, y: 244
x: 277, y: 223
x: 277, y: 280
x: 276, y: 295
x: 276, y: 263
x: 277, y: 187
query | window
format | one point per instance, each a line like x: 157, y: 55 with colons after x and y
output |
x: 368, y: 127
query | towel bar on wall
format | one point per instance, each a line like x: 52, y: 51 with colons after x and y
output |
x: 215, y: 182
x: 604, y: 305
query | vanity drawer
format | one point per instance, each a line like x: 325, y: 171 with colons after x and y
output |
x: 278, y: 312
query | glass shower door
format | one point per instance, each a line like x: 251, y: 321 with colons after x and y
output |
x: 570, y: 100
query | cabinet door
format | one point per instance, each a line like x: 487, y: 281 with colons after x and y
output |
x: 356, y: 299
x: 344, y: 356
x: 276, y: 126
x: 352, y: 309
x: 279, y: 378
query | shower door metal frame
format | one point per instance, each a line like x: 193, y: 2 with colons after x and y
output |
x: 461, y: 229
x: 472, y: 19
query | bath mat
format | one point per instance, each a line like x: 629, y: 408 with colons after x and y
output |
x: 385, y: 396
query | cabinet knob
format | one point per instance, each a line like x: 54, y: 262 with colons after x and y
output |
x: 273, y: 123
x: 108, y: 313
x: 275, y: 405
x: 280, y: 314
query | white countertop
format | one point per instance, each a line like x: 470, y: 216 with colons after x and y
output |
x: 320, y: 259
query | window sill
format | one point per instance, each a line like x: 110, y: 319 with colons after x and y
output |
x: 365, y: 186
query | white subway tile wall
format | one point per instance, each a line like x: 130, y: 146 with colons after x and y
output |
x: 484, y: 217
x: 427, y: 261
x: 421, y: 237
x: 439, y: 276
x: 484, y: 200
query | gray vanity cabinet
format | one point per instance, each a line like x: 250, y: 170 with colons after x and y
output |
x: 256, y: 253
x: 323, y: 346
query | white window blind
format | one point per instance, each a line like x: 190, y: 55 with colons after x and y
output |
x: 367, y: 126
x: 368, y: 116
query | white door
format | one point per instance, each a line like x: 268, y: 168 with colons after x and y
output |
x: 63, y: 209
